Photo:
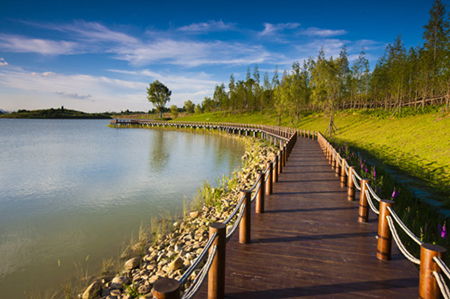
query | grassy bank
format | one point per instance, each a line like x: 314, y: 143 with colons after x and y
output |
x: 414, y: 142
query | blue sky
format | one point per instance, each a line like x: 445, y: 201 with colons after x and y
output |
x: 100, y: 56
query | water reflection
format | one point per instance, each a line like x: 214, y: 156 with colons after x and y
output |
x: 159, y: 153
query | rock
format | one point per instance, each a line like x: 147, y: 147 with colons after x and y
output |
x: 144, y: 289
x: 93, y: 291
x: 153, y: 279
x: 176, y: 264
x: 132, y: 263
x: 119, y: 281
x: 193, y: 214
x: 116, y: 293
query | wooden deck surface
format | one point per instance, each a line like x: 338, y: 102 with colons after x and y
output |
x: 308, y: 243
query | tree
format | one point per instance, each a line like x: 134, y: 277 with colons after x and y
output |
x: 189, y: 106
x: 198, y: 109
x: 174, y: 111
x: 158, y: 95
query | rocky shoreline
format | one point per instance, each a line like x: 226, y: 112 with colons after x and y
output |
x: 171, y: 255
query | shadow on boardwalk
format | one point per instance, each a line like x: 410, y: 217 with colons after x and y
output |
x: 308, y: 243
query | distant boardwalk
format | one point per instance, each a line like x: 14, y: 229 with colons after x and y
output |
x: 309, y: 244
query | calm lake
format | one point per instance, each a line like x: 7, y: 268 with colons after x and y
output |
x: 73, y: 191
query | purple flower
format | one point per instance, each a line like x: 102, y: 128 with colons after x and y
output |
x: 365, y: 169
x: 395, y: 193
x: 442, y: 231
x: 374, y: 174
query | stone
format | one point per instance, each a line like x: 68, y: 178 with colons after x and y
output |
x: 116, y: 293
x: 153, y: 279
x: 132, y: 263
x: 144, y: 289
x: 118, y: 282
x: 93, y: 291
x: 193, y: 214
x: 176, y: 264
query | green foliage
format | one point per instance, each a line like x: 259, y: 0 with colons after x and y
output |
x: 174, y: 111
x: 158, y: 94
x: 60, y: 113
x: 189, y: 106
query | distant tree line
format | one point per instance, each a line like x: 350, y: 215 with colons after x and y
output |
x: 400, y: 77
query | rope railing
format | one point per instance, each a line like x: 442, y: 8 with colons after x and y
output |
x: 236, y: 223
x: 198, y: 260
x: 373, y: 193
x: 404, y: 227
x: 236, y: 209
x: 399, y: 243
x: 431, y: 281
x: 442, y: 285
x: 357, y: 186
x: 369, y: 200
x: 442, y: 265
x: 198, y: 281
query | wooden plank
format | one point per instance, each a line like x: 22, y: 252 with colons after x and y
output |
x: 308, y: 243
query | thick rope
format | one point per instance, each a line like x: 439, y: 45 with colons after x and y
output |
x: 256, y: 192
x: 372, y: 206
x: 399, y: 243
x: 442, y: 265
x: 355, y: 183
x: 404, y: 227
x: 198, y: 281
x: 197, y: 261
x: 346, y: 168
x: 236, y: 209
x: 236, y: 224
x: 373, y: 192
x: 442, y: 285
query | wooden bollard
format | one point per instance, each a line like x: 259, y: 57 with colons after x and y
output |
x: 280, y: 161
x: 350, y: 185
x: 343, y: 176
x: 275, y: 170
x: 259, y: 208
x: 363, y: 211
x: 285, y: 150
x: 269, y: 187
x: 166, y: 288
x: 428, y: 287
x: 337, y: 168
x: 333, y: 158
x: 216, y: 275
x: 245, y: 225
x: 384, y: 242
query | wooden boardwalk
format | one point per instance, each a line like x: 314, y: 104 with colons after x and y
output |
x: 308, y: 243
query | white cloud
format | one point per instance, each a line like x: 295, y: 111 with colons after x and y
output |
x: 317, y: 32
x: 3, y: 62
x: 21, y: 44
x: 74, y: 96
x: 271, y: 29
x: 208, y: 27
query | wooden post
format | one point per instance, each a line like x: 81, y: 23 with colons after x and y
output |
x: 333, y: 158
x: 216, y: 275
x: 166, y: 288
x: 280, y: 163
x: 363, y: 212
x: 244, y: 226
x: 343, y: 177
x: 275, y: 169
x: 428, y: 287
x: 285, y: 150
x: 269, y: 187
x: 350, y: 185
x: 260, y: 197
x: 384, y: 242
x: 337, y: 168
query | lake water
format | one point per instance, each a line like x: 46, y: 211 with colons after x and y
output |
x: 72, y: 191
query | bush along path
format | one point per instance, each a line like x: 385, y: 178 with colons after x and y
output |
x: 173, y: 252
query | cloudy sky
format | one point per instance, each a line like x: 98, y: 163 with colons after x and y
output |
x: 97, y: 55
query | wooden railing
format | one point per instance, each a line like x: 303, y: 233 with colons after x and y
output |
x: 432, y: 266
x: 215, y: 248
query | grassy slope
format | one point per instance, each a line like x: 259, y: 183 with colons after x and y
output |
x: 416, y: 144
